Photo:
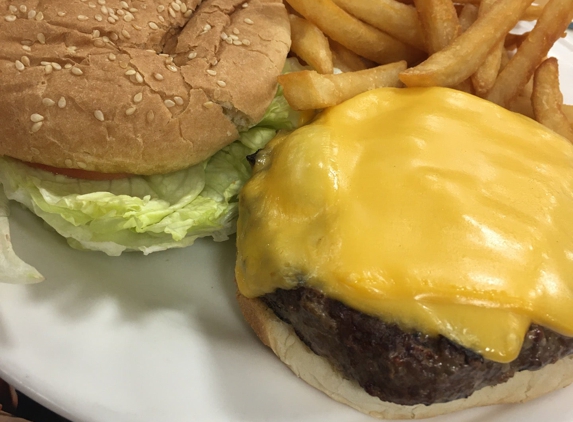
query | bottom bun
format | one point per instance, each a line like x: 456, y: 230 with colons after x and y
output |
x: 319, y: 373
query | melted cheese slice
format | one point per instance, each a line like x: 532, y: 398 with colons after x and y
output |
x: 426, y: 207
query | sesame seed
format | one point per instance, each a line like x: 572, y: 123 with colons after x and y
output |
x: 44, y: 63
x: 171, y: 12
x: 237, y: 42
x: 178, y: 100
x: 104, y: 10
x: 158, y: 76
x: 138, y: 77
x: 114, y: 36
x: 245, y: 5
x: 133, y: 9
x: 100, y: 1
x: 208, y: 104
x: 36, y: 127
x: 82, y: 165
x: 153, y: 25
x: 125, y: 33
x: 176, y: 7
x: 96, y: 33
x: 31, y: 14
x: 160, y: 8
x: 138, y: 97
x: 25, y: 60
x: 98, y: 18
x: 130, y: 72
x: 67, y: 66
x: 192, y: 55
x: 13, y: 9
x: 98, y: 114
x: 169, y: 103
x: 229, y: 40
x: 150, y: 116
x: 56, y: 66
x: 130, y: 111
x: 39, y: 16
x: 110, y: 19
x: 9, y: 18
x: 42, y: 38
x: 35, y: 150
x: 236, y: 31
x: 26, y: 48
x: 82, y: 18
x: 48, y: 102
x: 61, y: 14
x: 188, y: 13
x: 124, y: 4
x: 128, y: 17
x: 99, y: 43
x: 61, y: 102
x: 224, y: 36
x: 111, y: 57
x: 19, y: 65
x: 222, y: 84
x: 23, y: 8
x: 211, y: 72
x: 248, y: 21
x: 48, y: 69
x: 183, y: 7
x: 92, y: 5
x: 36, y: 117
x: 246, y: 42
x: 68, y: 162
x: 172, y: 68
x: 77, y: 71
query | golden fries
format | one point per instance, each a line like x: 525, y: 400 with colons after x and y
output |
x: 485, y: 76
x: 397, y: 19
x: 347, y: 60
x: 310, y: 44
x: 547, y: 99
x: 464, y: 55
x: 466, y: 45
x: 440, y: 23
x: 354, y: 34
x: 552, y: 23
x: 307, y: 90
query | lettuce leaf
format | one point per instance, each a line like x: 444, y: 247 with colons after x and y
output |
x: 146, y: 213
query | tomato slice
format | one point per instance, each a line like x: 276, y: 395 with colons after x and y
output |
x: 79, y: 173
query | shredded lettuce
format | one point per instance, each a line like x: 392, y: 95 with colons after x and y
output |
x: 144, y: 213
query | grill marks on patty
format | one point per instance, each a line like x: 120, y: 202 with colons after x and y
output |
x: 403, y: 367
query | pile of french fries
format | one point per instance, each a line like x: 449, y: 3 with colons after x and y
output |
x: 358, y: 45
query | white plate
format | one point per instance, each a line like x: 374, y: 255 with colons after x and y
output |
x: 160, y: 338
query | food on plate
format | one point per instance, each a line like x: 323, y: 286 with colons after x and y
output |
x: 310, y: 44
x: 309, y: 90
x: 125, y: 124
x: 408, y: 259
x: 547, y: 99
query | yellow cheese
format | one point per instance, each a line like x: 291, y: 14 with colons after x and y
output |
x: 426, y: 207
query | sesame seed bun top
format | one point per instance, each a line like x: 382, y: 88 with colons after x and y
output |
x: 144, y: 87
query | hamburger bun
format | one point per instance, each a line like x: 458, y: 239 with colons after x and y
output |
x: 133, y: 86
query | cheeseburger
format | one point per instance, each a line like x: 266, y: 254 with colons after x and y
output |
x: 410, y: 253
x: 125, y: 124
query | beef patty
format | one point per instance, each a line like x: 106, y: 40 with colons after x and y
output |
x: 403, y: 367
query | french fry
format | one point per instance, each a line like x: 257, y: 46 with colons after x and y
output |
x: 568, y: 112
x: 354, y: 34
x: 308, y: 90
x: 552, y: 23
x: 468, y: 16
x: 522, y: 105
x: 390, y: 16
x: 346, y: 60
x: 485, y: 76
x: 310, y: 44
x: 459, y: 60
x: 440, y: 23
x: 547, y: 99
